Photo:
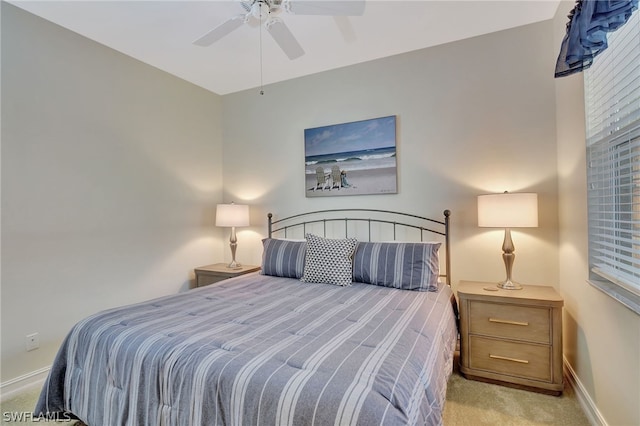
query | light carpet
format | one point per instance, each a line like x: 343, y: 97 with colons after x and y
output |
x: 476, y: 403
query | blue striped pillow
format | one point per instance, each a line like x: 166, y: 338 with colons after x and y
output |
x: 407, y: 266
x: 283, y: 258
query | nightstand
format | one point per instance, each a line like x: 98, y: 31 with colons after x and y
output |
x: 210, y: 274
x: 511, y: 337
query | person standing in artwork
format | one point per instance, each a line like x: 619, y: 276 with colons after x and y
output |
x: 343, y: 179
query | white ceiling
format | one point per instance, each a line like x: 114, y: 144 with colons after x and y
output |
x: 160, y: 33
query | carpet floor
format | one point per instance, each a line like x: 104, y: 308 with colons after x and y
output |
x: 469, y: 403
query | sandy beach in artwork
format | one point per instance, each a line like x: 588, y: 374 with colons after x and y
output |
x: 366, y: 181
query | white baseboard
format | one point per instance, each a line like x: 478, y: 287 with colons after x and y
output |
x: 23, y: 383
x: 585, y: 401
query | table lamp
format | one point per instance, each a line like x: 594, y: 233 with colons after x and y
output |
x: 508, y: 210
x: 232, y: 215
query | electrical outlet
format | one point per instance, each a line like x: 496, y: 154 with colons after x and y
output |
x: 33, y: 341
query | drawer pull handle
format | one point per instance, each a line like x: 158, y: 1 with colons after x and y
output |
x: 501, y: 321
x: 505, y: 358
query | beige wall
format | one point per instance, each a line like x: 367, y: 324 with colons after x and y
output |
x: 601, y: 336
x: 111, y: 171
x: 474, y: 117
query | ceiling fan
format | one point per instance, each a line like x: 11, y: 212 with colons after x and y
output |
x: 267, y: 11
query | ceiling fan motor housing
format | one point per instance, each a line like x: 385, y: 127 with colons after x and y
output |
x: 260, y: 9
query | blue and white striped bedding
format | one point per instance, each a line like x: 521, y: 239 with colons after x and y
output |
x: 260, y: 350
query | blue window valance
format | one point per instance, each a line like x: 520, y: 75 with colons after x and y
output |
x: 589, y: 23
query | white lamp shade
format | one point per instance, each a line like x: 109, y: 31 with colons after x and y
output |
x: 232, y: 215
x: 508, y: 210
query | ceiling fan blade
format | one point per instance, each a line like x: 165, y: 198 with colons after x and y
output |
x: 284, y: 37
x: 220, y: 31
x: 326, y: 7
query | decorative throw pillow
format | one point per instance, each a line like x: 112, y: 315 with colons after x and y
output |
x: 407, y: 266
x: 283, y: 258
x: 329, y: 261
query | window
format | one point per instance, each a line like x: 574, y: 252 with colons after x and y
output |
x: 612, y: 102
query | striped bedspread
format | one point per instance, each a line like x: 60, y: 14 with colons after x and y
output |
x: 260, y: 350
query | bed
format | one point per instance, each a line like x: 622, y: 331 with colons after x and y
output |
x: 280, y: 346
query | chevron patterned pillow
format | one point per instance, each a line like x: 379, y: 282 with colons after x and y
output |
x: 329, y: 261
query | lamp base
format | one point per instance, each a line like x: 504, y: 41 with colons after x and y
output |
x: 509, y: 285
x: 234, y: 265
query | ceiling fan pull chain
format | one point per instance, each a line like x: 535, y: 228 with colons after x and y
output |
x: 261, y: 88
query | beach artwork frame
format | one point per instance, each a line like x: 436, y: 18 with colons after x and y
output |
x: 355, y: 158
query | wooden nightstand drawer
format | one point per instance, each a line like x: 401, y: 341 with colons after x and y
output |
x: 511, y: 358
x: 510, y: 321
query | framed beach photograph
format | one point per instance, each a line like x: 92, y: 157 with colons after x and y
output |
x: 356, y: 158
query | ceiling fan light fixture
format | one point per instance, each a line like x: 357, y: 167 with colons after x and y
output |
x: 260, y: 9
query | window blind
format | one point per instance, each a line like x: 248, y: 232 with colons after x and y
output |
x: 612, y: 103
